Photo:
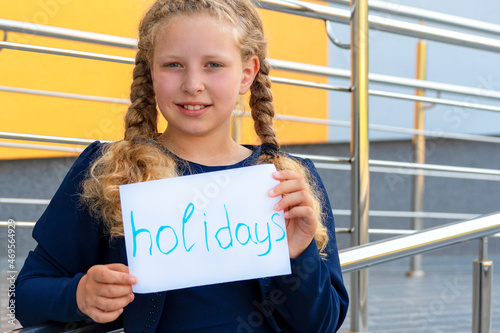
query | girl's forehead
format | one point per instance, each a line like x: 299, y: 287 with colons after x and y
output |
x: 224, y: 26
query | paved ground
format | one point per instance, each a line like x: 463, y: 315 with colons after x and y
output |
x: 440, y: 302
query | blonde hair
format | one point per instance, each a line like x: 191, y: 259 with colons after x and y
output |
x: 139, y: 157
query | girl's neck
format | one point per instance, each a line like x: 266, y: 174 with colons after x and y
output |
x: 205, y: 151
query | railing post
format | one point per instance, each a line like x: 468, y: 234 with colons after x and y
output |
x: 419, y: 155
x: 360, y: 176
x: 481, y: 295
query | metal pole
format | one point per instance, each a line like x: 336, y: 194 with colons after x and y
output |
x: 481, y: 295
x: 419, y: 156
x: 237, y: 127
x: 360, y: 176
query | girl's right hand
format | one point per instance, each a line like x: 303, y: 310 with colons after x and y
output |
x: 104, y: 291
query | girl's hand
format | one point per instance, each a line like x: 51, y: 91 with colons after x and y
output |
x: 104, y: 291
x: 300, y: 216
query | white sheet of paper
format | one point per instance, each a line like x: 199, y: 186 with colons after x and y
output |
x: 203, y: 229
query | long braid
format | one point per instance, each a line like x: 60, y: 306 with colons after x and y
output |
x: 261, y: 104
x: 263, y: 114
x: 142, y: 116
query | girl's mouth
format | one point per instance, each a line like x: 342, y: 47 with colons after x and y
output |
x: 194, y: 107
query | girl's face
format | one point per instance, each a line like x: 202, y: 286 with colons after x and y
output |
x: 198, y: 74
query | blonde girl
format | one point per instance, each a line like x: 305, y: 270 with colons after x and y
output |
x: 195, y: 59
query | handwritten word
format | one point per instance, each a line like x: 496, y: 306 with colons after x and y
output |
x: 226, y: 237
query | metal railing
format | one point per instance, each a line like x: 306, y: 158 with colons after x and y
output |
x: 69, y: 34
x: 311, y: 10
x: 364, y: 256
x: 428, y: 16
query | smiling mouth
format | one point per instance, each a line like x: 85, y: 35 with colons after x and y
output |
x: 194, y: 107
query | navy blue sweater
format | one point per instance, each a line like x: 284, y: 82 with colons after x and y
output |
x: 70, y: 241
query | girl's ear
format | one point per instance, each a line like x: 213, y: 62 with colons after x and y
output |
x: 250, y: 69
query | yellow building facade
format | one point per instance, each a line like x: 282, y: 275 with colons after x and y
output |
x: 290, y: 38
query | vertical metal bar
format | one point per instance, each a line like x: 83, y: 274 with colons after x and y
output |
x: 237, y: 127
x: 481, y: 295
x: 419, y: 155
x: 360, y: 176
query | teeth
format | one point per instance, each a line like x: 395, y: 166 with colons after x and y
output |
x: 193, y: 107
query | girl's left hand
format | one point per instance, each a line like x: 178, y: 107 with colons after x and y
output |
x: 300, y: 216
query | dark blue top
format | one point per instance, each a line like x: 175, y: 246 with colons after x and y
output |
x: 70, y: 241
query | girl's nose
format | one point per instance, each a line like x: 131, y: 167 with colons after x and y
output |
x: 193, y: 82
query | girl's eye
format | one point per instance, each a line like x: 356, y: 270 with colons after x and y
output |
x: 173, y: 65
x: 214, y: 65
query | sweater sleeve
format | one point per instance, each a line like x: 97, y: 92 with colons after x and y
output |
x: 69, y: 243
x: 313, y: 298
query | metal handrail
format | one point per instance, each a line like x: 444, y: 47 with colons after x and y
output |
x: 40, y: 147
x: 364, y: 256
x: 311, y: 10
x: 64, y: 95
x: 45, y: 138
x: 392, y: 129
x: 410, y: 214
x: 65, y: 52
x: 385, y: 79
x: 23, y: 224
x: 394, y: 170
x: 379, y: 93
x: 69, y: 34
x: 428, y: 15
x: 21, y: 201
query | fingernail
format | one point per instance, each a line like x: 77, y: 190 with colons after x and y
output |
x: 276, y: 207
x: 121, y: 310
x: 271, y: 192
x: 132, y: 279
x: 287, y: 214
x: 132, y: 296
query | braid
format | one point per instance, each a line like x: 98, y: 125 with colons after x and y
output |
x: 261, y: 104
x: 141, y: 118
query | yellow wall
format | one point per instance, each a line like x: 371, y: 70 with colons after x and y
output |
x: 290, y: 37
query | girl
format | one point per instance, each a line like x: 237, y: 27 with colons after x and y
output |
x: 195, y: 58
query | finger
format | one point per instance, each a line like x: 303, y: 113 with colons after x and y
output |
x: 286, y: 174
x: 124, y: 269
x: 113, y: 290
x: 288, y: 186
x: 118, y: 267
x: 307, y: 214
x: 300, y: 198
x: 103, y: 274
x: 112, y: 304
x: 100, y: 316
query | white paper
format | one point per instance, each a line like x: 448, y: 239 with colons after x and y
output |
x: 203, y: 229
